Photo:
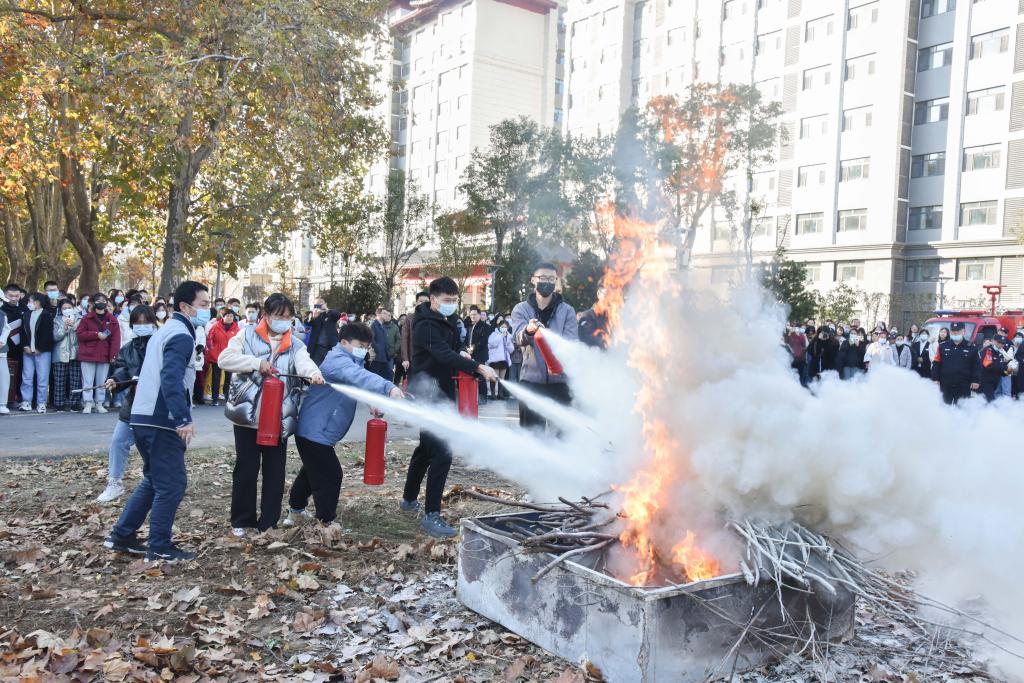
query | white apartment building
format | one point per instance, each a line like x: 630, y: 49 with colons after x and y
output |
x: 904, y: 156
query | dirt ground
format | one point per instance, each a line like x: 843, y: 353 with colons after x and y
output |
x: 370, y: 599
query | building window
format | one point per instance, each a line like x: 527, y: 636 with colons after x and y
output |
x: 762, y: 183
x: 979, y: 213
x: 559, y: 117
x: 762, y: 227
x: 730, y: 9
x: 982, y: 158
x: 925, y: 218
x: 810, y: 176
x: 769, y: 89
x: 922, y: 271
x: 935, y: 57
x: 929, y: 8
x: 986, y: 101
x: 818, y: 29
x: 721, y: 230
x: 559, y: 86
x: 927, y: 165
x: 931, y: 111
x: 849, y: 271
x: 818, y: 76
x: 854, y: 169
x: 859, y: 17
x: 810, y: 223
x: 975, y: 269
x: 856, y: 119
x: 676, y: 36
x: 813, y: 272
x: 768, y: 43
x: 813, y: 126
x: 852, y: 220
x: 860, y: 67
x: 991, y: 43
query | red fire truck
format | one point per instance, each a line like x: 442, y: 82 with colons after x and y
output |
x: 978, y: 325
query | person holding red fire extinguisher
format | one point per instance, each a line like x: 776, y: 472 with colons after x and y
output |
x: 435, y: 358
x: 324, y: 419
x: 269, y: 348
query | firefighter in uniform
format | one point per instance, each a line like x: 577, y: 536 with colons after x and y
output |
x: 955, y: 366
x: 993, y: 366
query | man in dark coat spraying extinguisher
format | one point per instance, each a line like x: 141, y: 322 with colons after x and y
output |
x: 324, y: 419
x: 435, y: 358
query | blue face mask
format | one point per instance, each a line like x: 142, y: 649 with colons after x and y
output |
x: 280, y: 326
x: 359, y: 353
x: 52, y: 294
x: 118, y: 299
x: 448, y: 309
x: 201, y: 317
x: 142, y: 330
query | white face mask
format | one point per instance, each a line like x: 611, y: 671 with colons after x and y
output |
x: 957, y: 338
x: 160, y: 315
x: 251, y: 316
x: 67, y: 313
x: 142, y: 330
x: 359, y: 352
x: 280, y: 326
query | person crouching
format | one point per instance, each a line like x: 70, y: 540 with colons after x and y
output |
x: 324, y: 419
x: 268, y: 348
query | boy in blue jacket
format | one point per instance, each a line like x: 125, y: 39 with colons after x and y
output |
x: 325, y: 418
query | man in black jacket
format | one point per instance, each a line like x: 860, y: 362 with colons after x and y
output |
x: 956, y: 366
x: 323, y: 334
x: 13, y: 308
x: 435, y: 359
x: 476, y: 342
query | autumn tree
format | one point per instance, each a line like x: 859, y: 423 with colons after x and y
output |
x: 692, y: 146
x: 460, y: 249
x: 787, y: 281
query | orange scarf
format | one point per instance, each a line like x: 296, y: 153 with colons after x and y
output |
x: 263, y: 330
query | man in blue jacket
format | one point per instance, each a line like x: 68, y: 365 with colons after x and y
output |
x: 325, y: 418
x: 162, y: 423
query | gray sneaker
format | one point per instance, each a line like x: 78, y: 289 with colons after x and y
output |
x: 410, y: 506
x: 434, y: 525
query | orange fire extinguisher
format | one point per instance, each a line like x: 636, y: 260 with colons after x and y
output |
x: 550, y: 360
x: 373, y: 459
x: 468, y: 396
x: 268, y: 428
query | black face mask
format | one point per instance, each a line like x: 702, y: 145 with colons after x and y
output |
x: 545, y: 289
x: 100, y: 307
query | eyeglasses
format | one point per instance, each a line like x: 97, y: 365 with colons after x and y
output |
x: 545, y: 278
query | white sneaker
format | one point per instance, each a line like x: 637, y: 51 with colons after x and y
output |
x: 25, y: 407
x: 293, y: 518
x: 86, y: 409
x: 114, y: 490
x: 4, y: 410
x: 100, y: 408
x: 238, y: 532
x: 41, y: 410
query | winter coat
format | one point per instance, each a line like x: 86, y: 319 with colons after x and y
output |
x: 323, y: 335
x: 904, y: 356
x: 163, y: 396
x: 405, y: 337
x: 13, y: 313
x: 217, y: 339
x: 921, y: 353
x: 326, y: 413
x: 435, y: 353
x: 821, y: 356
x: 394, y: 335
x: 880, y: 354
x: 66, y: 350
x: 40, y: 336
x: 843, y: 351
x: 559, y: 317
x: 127, y: 365
x: 955, y: 365
x: 380, y: 343
x: 499, y: 348
x: 93, y: 349
x: 124, y: 322
x: 477, y: 337
x: 243, y: 356
x: 855, y: 354
x: 798, y: 346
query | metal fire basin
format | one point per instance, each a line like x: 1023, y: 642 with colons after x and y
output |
x: 578, y: 612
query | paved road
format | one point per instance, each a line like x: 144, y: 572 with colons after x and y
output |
x: 29, y: 435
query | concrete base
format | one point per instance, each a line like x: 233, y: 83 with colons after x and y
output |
x: 678, y: 634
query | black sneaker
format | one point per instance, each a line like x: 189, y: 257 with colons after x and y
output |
x: 124, y: 545
x: 172, y: 554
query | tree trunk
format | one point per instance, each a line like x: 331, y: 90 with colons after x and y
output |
x: 16, y: 243
x: 80, y: 217
x: 48, y: 236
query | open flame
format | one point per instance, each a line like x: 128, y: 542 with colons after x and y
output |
x: 659, y: 553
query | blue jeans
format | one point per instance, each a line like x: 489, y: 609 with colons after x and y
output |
x: 38, y: 365
x: 121, y: 442
x: 1005, y: 386
x: 161, y: 489
x: 850, y: 372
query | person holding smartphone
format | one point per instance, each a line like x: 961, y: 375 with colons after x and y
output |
x: 99, y: 340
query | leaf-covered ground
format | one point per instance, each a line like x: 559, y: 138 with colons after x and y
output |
x: 368, y: 598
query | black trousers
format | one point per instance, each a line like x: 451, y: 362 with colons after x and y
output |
x: 215, y: 382
x: 400, y: 373
x: 952, y: 393
x: 432, y: 458
x: 320, y: 477
x: 250, y: 459
x: 989, y: 389
x: 385, y: 370
x: 559, y: 392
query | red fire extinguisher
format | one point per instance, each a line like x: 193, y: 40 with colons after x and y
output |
x: 373, y: 459
x: 550, y: 360
x: 468, y: 396
x: 268, y: 429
